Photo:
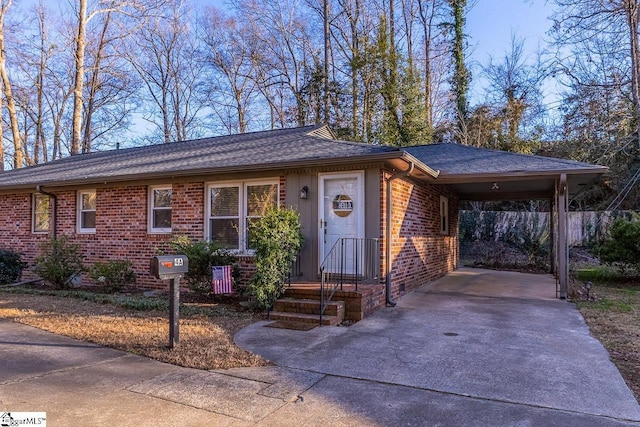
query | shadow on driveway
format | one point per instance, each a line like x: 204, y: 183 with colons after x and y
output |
x: 471, y: 334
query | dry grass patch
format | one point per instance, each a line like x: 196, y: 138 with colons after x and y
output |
x: 206, y: 342
x: 614, y: 318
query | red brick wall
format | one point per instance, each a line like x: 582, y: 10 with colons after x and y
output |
x: 419, y: 253
x: 121, y: 227
x: 15, y: 226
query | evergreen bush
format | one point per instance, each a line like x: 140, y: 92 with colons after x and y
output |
x: 276, y: 239
x: 11, y: 266
x: 622, y: 248
x: 60, y: 262
x: 113, y: 274
x: 203, y: 255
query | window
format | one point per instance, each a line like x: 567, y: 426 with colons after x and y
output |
x: 444, y: 215
x: 160, y: 209
x: 87, y: 211
x: 232, y: 207
x: 41, y: 209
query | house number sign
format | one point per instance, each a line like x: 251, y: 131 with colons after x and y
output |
x: 342, y: 205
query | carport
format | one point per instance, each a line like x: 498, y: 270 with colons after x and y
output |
x: 479, y: 174
x: 480, y: 282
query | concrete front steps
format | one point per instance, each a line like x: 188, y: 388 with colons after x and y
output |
x: 307, y: 311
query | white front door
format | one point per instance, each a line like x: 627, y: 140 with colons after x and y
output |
x: 341, y: 207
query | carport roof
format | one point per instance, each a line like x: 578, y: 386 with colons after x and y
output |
x: 474, y: 171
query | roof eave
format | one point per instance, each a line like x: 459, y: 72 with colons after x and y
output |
x: 446, y: 178
x: 429, y: 172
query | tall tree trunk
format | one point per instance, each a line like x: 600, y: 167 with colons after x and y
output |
x: 18, y: 155
x: 1, y: 136
x: 393, y: 60
x: 81, y: 41
x: 93, y: 85
x: 632, y: 13
x: 327, y: 44
x: 427, y: 17
x: 461, y: 73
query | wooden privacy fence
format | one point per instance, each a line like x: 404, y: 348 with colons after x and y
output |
x: 584, y: 227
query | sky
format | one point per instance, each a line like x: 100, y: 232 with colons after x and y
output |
x: 490, y: 24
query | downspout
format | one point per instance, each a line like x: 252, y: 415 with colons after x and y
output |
x: 390, y: 302
x: 55, y: 209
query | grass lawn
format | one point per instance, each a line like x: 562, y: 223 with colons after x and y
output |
x: 614, y: 318
x: 135, y: 324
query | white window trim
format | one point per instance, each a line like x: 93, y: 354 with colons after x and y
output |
x: 33, y: 214
x: 82, y: 230
x: 242, y: 209
x: 444, y: 215
x: 151, y: 208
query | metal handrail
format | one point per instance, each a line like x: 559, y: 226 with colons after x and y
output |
x: 295, y: 270
x: 352, y: 260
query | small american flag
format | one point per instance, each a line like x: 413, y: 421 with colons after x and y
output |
x: 221, y: 279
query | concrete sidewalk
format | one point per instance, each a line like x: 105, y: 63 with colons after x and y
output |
x: 80, y: 384
x: 435, y: 359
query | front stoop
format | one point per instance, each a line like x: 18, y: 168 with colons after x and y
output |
x: 307, y: 311
x: 358, y: 304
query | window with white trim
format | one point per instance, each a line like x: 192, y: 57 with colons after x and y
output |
x: 444, y: 215
x: 87, y: 211
x: 160, y: 209
x: 232, y: 207
x: 41, y: 210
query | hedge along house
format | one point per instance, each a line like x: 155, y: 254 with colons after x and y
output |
x: 401, y: 203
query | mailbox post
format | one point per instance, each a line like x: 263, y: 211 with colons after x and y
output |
x: 171, y: 267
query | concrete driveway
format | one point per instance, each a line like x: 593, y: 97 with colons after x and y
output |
x: 466, y: 344
x: 446, y: 355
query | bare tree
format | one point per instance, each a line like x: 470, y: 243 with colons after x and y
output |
x: 130, y: 12
x: 513, y: 93
x: 230, y: 55
x: 588, y: 28
x: 286, y: 52
x: 165, y: 55
x: 18, y: 155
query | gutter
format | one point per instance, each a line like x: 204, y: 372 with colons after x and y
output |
x: 389, y: 301
x: 55, y: 209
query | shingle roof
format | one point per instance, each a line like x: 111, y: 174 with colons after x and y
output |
x: 455, y: 159
x: 296, y: 147
x: 267, y: 149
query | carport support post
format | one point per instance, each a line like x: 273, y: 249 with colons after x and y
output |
x: 552, y: 235
x: 174, y: 311
x: 563, y: 249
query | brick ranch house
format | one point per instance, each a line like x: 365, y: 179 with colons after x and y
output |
x: 128, y: 203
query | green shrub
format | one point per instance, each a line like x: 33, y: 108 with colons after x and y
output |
x: 202, y: 256
x: 114, y: 274
x: 622, y: 248
x: 60, y: 262
x: 276, y: 239
x: 11, y: 266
